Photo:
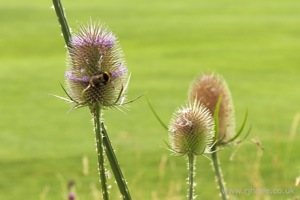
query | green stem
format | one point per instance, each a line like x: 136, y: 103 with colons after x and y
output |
x: 63, y: 21
x: 99, y: 139
x: 218, y: 174
x: 115, y: 165
x: 191, y: 166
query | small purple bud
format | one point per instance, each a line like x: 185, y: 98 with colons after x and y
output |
x: 71, y: 196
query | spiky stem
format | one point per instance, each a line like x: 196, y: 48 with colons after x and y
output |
x: 191, y: 168
x: 115, y: 165
x: 62, y: 20
x: 218, y: 173
x: 95, y: 110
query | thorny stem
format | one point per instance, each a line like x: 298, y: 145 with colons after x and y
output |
x: 218, y: 173
x: 115, y: 165
x: 191, y: 166
x: 95, y: 110
x: 62, y: 20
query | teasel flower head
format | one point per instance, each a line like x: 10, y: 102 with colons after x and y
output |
x: 191, y: 130
x: 96, y: 70
x: 211, y: 90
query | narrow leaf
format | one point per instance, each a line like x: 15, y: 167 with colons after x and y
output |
x: 156, y: 115
x: 115, y: 165
x: 216, y: 118
x: 241, y: 129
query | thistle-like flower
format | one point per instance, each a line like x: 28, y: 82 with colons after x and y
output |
x: 191, y: 133
x: 95, y: 77
x: 191, y: 130
x: 96, y: 71
x: 209, y: 89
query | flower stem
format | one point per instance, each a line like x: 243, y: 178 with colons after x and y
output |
x: 191, y: 166
x: 218, y: 173
x: 95, y: 110
x: 115, y: 165
x: 62, y: 20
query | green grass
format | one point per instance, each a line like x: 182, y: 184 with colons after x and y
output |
x: 254, y: 44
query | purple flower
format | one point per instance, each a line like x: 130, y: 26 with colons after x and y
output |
x: 120, y: 71
x: 79, y: 41
x: 71, y: 196
x: 96, y: 71
x: 109, y: 40
x: 94, y: 36
x: 74, y: 78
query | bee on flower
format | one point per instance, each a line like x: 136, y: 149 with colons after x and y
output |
x: 96, y: 71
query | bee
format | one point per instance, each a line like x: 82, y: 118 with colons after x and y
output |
x: 101, y: 79
x: 97, y: 80
x: 94, y: 83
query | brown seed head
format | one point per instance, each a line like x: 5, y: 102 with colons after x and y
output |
x: 207, y: 89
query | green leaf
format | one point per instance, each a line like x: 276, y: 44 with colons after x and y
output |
x: 241, y: 129
x: 216, y: 118
x: 115, y: 165
x: 247, y: 134
x: 155, y: 114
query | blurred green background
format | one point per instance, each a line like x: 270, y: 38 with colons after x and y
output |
x: 254, y: 44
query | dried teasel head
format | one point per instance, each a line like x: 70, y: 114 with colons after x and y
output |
x: 96, y: 71
x: 209, y: 89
